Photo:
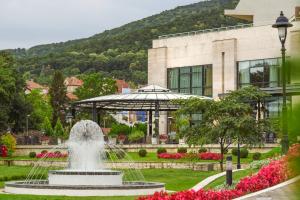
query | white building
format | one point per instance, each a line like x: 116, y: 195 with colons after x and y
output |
x: 213, y: 62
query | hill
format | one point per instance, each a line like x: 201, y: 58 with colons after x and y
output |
x: 121, y: 52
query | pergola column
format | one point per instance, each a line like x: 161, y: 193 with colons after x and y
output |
x: 94, y: 112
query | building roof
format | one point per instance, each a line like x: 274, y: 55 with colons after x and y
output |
x: 31, y: 85
x: 147, y: 98
x: 121, y: 84
x: 73, y: 81
x: 71, y: 96
x: 263, y: 12
x: 105, y: 131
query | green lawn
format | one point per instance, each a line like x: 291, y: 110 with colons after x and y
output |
x: 236, y: 177
x: 175, y: 180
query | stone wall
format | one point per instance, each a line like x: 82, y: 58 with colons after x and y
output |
x: 171, y: 148
x: 126, y: 165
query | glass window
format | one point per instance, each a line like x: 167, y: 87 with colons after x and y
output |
x: 262, y: 73
x: 173, y: 79
x: 195, y: 80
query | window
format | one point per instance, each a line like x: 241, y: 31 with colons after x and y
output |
x: 191, y: 80
x: 262, y: 73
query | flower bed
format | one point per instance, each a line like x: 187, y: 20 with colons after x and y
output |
x: 202, y: 156
x: 52, y: 155
x: 272, y: 174
x: 171, y: 155
x: 210, y: 156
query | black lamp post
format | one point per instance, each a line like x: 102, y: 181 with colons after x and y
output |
x: 282, y: 24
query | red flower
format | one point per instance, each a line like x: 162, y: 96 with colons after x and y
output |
x: 210, y: 156
x: 4, y: 151
x: 51, y: 155
x: 171, y: 155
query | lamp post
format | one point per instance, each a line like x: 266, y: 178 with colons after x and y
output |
x: 282, y: 24
x: 229, y: 170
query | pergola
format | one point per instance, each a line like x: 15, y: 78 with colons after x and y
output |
x: 151, y: 99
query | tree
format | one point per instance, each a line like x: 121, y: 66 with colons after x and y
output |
x: 47, y: 127
x: 224, y: 122
x: 95, y: 84
x: 41, y: 109
x: 59, y: 130
x: 58, y: 97
x: 13, y: 104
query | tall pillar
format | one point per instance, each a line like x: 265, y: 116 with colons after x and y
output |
x: 94, y: 112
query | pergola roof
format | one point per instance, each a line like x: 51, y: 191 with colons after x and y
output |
x: 144, y: 99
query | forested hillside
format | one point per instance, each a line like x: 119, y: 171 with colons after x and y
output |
x: 121, y: 52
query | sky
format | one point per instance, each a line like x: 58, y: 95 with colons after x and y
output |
x: 26, y: 23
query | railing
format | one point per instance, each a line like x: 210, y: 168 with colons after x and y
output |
x: 192, y: 33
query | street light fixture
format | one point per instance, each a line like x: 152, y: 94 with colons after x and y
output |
x: 282, y: 24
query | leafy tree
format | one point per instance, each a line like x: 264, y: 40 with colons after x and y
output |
x: 94, y: 85
x: 58, y: 98
x: 118, y: 129
x: 224, y: 122
x: 41, y: 109
x: 59, y: 130
x: 14, y: 107
x: 47, y: 127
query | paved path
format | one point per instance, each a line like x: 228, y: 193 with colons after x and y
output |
x: 288, y: 192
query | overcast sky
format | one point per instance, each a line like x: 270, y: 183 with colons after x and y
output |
x: 25, y: 23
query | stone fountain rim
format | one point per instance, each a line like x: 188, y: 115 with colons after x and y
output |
x: 83, y: 172
x: 38, y: 184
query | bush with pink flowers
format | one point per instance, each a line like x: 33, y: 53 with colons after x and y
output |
x: 210, y: 156
x: 272, y: 174
x: 202, y: 156
x: 171, y: 155
x: 52, y: 155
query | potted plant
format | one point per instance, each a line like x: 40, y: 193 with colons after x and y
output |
x: 154, y: 139
x: 163, y: 138
x: 121, y: 138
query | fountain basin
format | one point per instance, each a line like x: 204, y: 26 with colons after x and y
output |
x: 76, y: 177
x: 44, y: 188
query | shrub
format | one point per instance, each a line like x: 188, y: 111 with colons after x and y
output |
x: 244, y: 153
x: 234, y: 151
x: 57, y: 152
x: 256, y: 156
x: 202, y: 150
x: 210, y: 156
x: 135, y: 135
x: 161, y: 150
x: 59, y: 130
x: 32, y: 155
x: 10, y: 142
x: 44, y: 152
x: 171, y: 155
x: 182, y: 150
x: 142, y: 152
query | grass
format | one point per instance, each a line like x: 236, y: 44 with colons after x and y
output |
x: 175, y: 180
x: 236, y: 177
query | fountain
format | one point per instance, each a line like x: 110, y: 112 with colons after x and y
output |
x: 86, y: 174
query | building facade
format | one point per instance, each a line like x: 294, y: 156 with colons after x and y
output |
x: 213, y: 62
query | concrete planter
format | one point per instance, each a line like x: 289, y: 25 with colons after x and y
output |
x: 154, y: 140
